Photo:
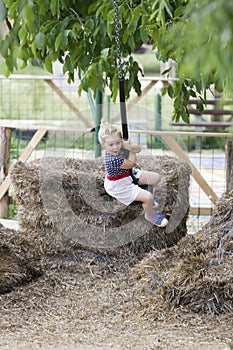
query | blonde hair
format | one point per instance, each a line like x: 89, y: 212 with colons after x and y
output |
x: 107, y: 129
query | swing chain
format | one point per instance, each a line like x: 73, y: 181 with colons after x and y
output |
x: 116, y: 17
x: 124, y: 124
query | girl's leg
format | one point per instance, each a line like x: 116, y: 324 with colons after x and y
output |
x: 147, y: 200
x: 149, y: 178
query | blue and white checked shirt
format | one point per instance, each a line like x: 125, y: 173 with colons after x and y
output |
x: 113, y: 164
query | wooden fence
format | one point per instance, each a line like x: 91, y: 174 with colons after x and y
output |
x: 168, y: 137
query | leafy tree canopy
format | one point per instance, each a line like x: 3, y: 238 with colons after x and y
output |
x: 80, y: 34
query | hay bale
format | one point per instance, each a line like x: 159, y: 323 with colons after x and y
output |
x: 16, y: 264
x: 67, y: 197
x: 190, y: 274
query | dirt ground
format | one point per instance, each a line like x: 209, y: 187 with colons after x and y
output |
x: 95, y: 306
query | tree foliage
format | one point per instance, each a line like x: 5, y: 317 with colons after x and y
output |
x: 81, y: 35
x: 201, y: 42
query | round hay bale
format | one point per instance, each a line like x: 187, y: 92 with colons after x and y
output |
x: 67, y: 196
x: 191, y: 275
x: 16, y: 264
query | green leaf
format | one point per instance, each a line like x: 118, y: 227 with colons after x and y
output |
x: 22, y: 34
x: 137, y: 13
x: 114, y: 87
x: 132, y: 26
x: 185, y: 115
x: 170, y: 91
x: 29, y: 17
x: 178, y: 11
x: 137, y: 86
x: 93, y: 7
x: 48, y: 64
x: 34, y: 48
x: 84, y: 62
x: 65, y: 37
x: 51, y: 39
x: 90, y: 24
x: 55, y: 8
x: 40, y: 40
x: 145, y: 19
x: 125, y: 36
x: 105, y: 52
x: 24, y: 55
x: 12, y: 10
x: 192, y: 93
x: 110, y: 24
x: 143, y: 34
x: 11, y: 60
x: 166, y: 71
x: 200, y: 107
x: 5, y: 44
x: 131, y: 42
x: 198, y: 86
x: 58, y: 41
x: 68, y: 66
x: 219, y: 85
x: 153, y: 15
x: 168, y: 8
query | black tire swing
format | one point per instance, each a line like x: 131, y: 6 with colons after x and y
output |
x: 121, y: 82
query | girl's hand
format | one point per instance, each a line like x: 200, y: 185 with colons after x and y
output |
x: 126, y: 144
x: 132, y: 147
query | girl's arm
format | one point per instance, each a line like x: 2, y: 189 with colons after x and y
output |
x: 130, y: 162
x: 132, y: 147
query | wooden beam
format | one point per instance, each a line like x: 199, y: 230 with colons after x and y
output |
x: 144, y: 92
x: 229, y: 169
x: 204, y: 124
x: 4, y: 186
x: 25, y: 126
x: 211, y: 102
x: 175, y: 147
x: 5, y: 142
x: 200, y: 211
x: 39, y: 134
x: 210, y: 112
x: 68, y: 103
x: 136, y: 99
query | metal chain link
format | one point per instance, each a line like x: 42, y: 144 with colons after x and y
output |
x: 118, y: 42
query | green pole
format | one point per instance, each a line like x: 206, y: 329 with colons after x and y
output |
x: 158, y: 122
x: 109, y: 105
x: 91, y: 102
x: 98, y: 117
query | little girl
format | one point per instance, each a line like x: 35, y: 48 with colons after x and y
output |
x: 119, y: 182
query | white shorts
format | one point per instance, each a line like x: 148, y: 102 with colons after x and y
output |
x: 124, y: 190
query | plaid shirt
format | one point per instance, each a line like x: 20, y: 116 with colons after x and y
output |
x: 113, y: 164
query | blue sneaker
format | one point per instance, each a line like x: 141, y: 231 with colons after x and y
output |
x: 157, y: 219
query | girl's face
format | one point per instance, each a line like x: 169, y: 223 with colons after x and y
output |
x: 113, y: 143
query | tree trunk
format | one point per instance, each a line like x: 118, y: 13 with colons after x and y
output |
x: 5, y: 141
x: 229, y: 169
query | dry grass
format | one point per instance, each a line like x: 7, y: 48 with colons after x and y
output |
x: 70, y: 297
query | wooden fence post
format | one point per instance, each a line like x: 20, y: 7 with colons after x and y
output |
x: 175, y: 147
x: 39, y: 134
x: 5, y: 142
x: 229, y: 166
